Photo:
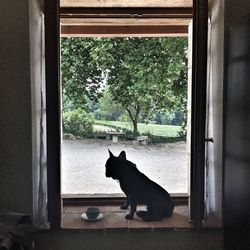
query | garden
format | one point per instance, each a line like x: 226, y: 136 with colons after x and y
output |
x: 134, y: 86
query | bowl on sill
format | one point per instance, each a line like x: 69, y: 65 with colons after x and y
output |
x: 92, y: 214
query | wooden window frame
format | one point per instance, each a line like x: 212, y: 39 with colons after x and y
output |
x: 198, y: 110
x: 52, y: 70
x: 122, y: 14
x: 52, y: 57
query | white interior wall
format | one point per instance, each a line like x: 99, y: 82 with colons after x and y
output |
x: 216, y: 71
x: 37, y: 66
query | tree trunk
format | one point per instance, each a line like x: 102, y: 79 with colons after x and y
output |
x: 134, y: 119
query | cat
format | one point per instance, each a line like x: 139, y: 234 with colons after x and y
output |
x: 139, y: 189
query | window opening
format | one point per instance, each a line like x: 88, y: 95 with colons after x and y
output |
x: 52, y: 114
x: 83, y: 161
x: 123, y: 94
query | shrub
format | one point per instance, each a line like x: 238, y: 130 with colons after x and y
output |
x: 78, y: 123
x: 178, y: 119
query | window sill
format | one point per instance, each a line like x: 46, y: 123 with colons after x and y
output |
x: 114, y: 220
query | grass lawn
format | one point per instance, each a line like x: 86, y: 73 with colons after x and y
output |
x: 153, y: 129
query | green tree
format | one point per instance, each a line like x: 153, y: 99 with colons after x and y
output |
x: 145, y: 75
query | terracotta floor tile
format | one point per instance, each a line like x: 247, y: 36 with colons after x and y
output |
x: 93, y: 225
x: 165, y: 223
x: 181, y: 209
x: 82, y: 209
x: 72, y: 221
x: 113, y: 209
x: 73, y: 209
x: 114, y: 218
x: 180, y: 221
x: 138, y: 223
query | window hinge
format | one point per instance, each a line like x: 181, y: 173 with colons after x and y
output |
x: 209, y: 140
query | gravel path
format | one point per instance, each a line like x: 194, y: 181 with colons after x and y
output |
x: 83, y: 165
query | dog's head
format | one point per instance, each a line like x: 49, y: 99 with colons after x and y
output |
x: 114, y: 165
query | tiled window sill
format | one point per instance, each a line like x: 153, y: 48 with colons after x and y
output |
x: 114, y: 220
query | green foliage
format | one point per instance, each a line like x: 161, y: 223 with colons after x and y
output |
x: 124, y: 118
x: 144, y: 129
x: 108, y: 109
x: 78, y: 123
x: 164, y: 118
x: 161, y: 139
x: 143, y: 75
x: 178, y: 118
x: 81, y: 76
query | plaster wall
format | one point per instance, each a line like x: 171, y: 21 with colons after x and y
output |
x: 15, y: 108
x: 215, y: 113
x: 236, y: 125
x: 222, y: 14
x: 236, y: 11
x: 37, y: 67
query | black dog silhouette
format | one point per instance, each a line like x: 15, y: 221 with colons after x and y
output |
x: 139, y: 189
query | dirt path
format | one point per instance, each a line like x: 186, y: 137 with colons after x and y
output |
x: 83, y: 165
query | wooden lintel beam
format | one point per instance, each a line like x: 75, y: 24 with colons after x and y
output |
x: 126, y: 12
x: 124, y: 21
x: 123, y: 30
x: 126, y: 3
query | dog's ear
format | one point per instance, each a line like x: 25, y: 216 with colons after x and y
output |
x: 111, y: 154
x: 122, y: 155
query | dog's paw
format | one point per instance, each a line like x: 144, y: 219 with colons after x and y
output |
x: 140, y: 213
x: 129, y: 217
x: 124, y: 207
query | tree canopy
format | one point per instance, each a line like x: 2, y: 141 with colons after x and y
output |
x: 81, y: 77
x: 143, y: 75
